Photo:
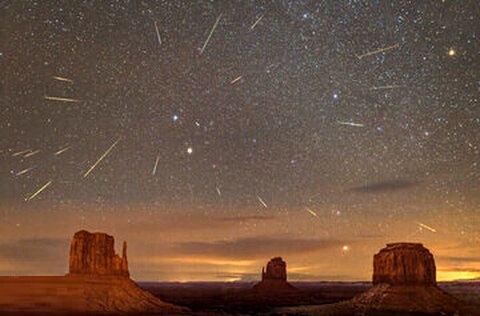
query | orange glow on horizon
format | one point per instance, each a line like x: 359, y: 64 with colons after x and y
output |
x: 210, y: 261
x: 452, y: 275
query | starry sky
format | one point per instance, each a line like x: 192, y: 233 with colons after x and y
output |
x: 214, y: 135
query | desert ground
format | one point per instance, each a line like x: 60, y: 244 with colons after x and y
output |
x: 238, y: 297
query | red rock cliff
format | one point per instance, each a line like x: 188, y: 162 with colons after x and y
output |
x: 404, y: 264
x: 94, y: 253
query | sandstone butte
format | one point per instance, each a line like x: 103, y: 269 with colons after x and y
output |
x: 274, y: 279
x: 404, y: 280
x: 97, y: 283
x: 94, y: 254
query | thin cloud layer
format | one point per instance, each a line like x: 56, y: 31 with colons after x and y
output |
x: 26, y: 256
x: 254, y: 247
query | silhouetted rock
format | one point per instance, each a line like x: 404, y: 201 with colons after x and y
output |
x: 94, y: 253
x: 276, y: 270
x: 274, y: 279
x: 404, y: 264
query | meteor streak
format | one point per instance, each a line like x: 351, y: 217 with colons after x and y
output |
x: 61, y: 151
x: 236, y: 79
x: 211, y: 33
x: 262, y: 201
x: 218, y: 191
x: 101, y: 158
x: 256, y: 22
x: 351, y: 124
x: 61, y: 99
x: 433, y: 230
x: 393, y: 86
x: 158, y: 34
x: 24, y: 171
x: 62, y: 79
x: 39, y: 190
x: 311, y: 212
x: 154, y: 171
x: 32, y: 153
x: 21, y: 152
x: 378, y: 51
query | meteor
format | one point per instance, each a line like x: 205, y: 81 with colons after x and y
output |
x: 262, y: 201
x: 21, y: 152
x: 61, y: 99
x: 392, y: 86
x: 158, y: 34
x: 311, y: 212
x: 30, y: 154
x: 24, y: 171
x: 211, y: 33
x: 433, y: 230
x: 62, y: 79
x: 351, y: 124
x: 256, y: 22
x: 61, y: 151
x: 101, y: 158
x: 154, y: 171
x: 378, y: 51
x: 236, y: 79
x: 39, y: 190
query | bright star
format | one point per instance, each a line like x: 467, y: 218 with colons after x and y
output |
x: 189, y: 150
x: 175, y: 117
x: 451, y: 52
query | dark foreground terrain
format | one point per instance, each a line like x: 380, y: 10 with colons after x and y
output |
x: 111, y: 296
x: 239, y: 298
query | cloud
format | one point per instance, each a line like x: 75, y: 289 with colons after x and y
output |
x: 34, y: 249
x: 254, y: 247
x: 458, y: 259
x: 245, y: 218
x: 44, y: 256
x: 292, y: 277
x: 384, y: 186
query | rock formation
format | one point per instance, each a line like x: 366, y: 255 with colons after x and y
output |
x: 404, y: 281
x: 94, y: 254
x: 403, y: 284
x: 98, y: 284
x: 275, y: 277
x: 276, y: 270
x: 404, y: 264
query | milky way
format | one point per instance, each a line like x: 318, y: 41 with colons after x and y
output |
x: 215, y: 134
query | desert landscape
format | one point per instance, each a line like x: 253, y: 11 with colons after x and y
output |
x: 404, y: 283
x: 240, y: 157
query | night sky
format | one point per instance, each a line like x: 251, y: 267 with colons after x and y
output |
x: 214, y: 135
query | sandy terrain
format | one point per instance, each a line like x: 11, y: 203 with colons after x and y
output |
x: 77, y: 294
